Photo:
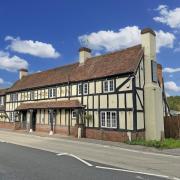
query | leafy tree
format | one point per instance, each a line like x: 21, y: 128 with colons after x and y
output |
x: 174, y: 102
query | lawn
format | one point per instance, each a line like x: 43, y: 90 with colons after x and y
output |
x: 164, y: 144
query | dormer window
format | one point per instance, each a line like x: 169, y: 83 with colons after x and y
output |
x: 108, y: 86
x: 52, y: 92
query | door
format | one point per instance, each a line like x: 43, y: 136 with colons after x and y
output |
x: 24, y: 120
x: 34, y: 120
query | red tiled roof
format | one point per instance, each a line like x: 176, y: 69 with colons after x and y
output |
x: 50, y: 104
x: 2, y: 92
x: 119, y: 62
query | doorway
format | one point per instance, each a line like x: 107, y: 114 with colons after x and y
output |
x: 34, y: 120
x: 24, y: 120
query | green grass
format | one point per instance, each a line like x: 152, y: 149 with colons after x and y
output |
x: 164, y: 144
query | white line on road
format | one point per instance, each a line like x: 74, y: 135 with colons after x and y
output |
x: 83, y: 161
x: 135, y: 172
x: 62, y: 154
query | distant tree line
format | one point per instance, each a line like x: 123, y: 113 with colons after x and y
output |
x: 174, y: 102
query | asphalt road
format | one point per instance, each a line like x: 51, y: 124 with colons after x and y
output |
x: 22, y: 163
x: 119, y: 157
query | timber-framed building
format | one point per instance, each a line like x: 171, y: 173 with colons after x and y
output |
x: 102, y: 97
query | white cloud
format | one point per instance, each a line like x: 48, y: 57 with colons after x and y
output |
x: 35, y: 48
x: 1, y: 81
x: 168, y: 17
x: 171, y: 70
x: 123, y: 38
x: 172, y: 86
x: 13, y: 63
x: 164, y: 39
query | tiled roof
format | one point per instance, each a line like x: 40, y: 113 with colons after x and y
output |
x: 2, y: 92
x: 50, y: 104
x: 119, y: 62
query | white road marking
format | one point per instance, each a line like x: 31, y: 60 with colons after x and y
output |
x: 135, y: 172
x: 62, y: 154
x: 83, y: 161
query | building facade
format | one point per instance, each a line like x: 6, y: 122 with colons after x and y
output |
x: 116, y: 96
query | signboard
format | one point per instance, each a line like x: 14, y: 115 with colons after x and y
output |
x: 154, y: 71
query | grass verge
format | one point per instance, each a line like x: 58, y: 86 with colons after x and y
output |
x: 163, y: 144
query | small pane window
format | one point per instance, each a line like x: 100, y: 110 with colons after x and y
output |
x: 32, y: 95
x: 111, y: 85
x: 108, y: 86
x: 52, y: 92
x: 108, y: 119
x: 79, y: 89
x: 73, y: 114
x: 85, y: 88
x: 103, y: 119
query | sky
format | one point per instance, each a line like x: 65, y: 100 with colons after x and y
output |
x: 43, y: 34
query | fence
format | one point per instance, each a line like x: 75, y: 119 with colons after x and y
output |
x: 172, y: 126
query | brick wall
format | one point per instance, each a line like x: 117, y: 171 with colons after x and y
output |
x: 7, y: 125
x: 115, y: 136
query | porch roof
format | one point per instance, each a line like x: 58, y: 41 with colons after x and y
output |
x: 68, y: 104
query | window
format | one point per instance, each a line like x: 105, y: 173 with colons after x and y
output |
x: 108, y: 119
x: 32, y: 95
x: 85, y: 88
x: 73, y: 114
x: 154, y: 71
x: 13, y: 97
x: 79, y: 89
x: 52, y: 92
x: 108, y: 86
x: 12, y: 117
x: 1, y: 101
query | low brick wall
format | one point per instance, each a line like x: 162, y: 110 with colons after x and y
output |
x: 116, y: 136
x: 7, y: 125
x: 58, y: 129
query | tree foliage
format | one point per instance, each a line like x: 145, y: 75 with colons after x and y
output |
x: 174, y: 102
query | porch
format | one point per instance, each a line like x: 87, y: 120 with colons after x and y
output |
x: 52, y: 117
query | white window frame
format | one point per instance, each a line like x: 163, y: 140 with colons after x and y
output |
x: 73, y: 114
x: 52, y: 92
x: 104, y: 119
x: 85, y: 87
x: 79, y: 89
x: 12, y: 117
x: 32, y: 95
x: 1, y: 100
x: 107, y: 86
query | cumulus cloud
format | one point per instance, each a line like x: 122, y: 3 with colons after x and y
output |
x: 123, y: 38
x: 13, y: 63
x: 1, y: 81
x: 171, y: 70
x: 35, y: 48
x: 172, y: 86
x: 168, y: 17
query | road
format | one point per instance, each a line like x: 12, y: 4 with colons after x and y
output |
x: 137, y: 161
x: 22, y: 163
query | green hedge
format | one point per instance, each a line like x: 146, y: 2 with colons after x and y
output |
x: 166, y: 143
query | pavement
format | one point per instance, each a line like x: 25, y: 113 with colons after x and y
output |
x: 132, y: 159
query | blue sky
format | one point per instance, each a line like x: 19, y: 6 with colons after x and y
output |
x: 46, y: 34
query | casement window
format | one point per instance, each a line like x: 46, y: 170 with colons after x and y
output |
x: 79, y: 89
x: 52, y: 92
x: 108, y: 119
x: 83, y: 89
x: 108, y: 86
x: 12, y: 117
x: 1, y: 101
x: 74, y: 114
x: 13, y: 97
x: 32, y: 95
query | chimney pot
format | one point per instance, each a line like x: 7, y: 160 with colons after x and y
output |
x: 23, y: 72
x: 84, y: 53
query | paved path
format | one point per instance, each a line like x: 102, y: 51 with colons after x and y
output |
x: 136, y: 160
x: 22, y: 163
